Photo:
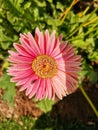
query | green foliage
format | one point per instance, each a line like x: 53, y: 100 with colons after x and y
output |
x: 45, y: 105
x: 45, y: 122
x: 21, y: 124
x: 9, y: 88
x: 22, y: 16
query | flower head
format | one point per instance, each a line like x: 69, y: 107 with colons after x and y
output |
x: 44, y: 66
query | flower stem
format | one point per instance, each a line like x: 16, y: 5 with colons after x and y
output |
x: 84, y: 24
x: 89, y: 101
x: 82, y: 35
x: 87, y: 23
x: 65, y: 13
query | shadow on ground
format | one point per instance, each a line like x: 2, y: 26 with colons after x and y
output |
x: 46, y: 122
x: 71, y: 113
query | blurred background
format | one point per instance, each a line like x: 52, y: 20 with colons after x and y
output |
x: 77, y: 20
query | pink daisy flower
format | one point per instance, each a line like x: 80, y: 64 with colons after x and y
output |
x: 44, y: 66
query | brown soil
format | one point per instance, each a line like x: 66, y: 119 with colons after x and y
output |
x: 75, y: 106
x: 22, y: 107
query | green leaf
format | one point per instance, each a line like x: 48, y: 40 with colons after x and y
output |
x: 79, y: 43
x: 40, y: 3
x: 60, y: 6
x: 93, y: 76
x: 9, y: 89
x: 27, y: 5
x: 50, y: 1
x: 5, y: 44
x: 9, y: 96
x: 11, y: 7
x: 94, y: 55
x: 45, y: 105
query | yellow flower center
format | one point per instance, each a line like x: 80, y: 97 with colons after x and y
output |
x: 44, y: 66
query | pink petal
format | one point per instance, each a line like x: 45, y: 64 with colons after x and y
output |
x: 33, y: 44
x: 19, y: 67
x: 65, y: 50
x: 20, y: 74
x: 28, y: 83
x: 23, y: 87
x: 49, y: 89
x: 29, y: 89
x: 68, y: 66
x: 22, y: 81
x: 51, y: 43
x: 41, y: 91
x: 61, y: 76
x: 57, y: 86
x: 59, y: 49
x: 12, y: 53
x: 60, y: 38
x: 35, y: 88
x: 21, y: 50
x: 46, y: 39
x: 29, y: 79
x: 20, y: 59
x: 70, y: 87
x: 40, y: 40
x: 27, y: 47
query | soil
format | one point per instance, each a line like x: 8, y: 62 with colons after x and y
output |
x: 75, y: 106
x: 22, y: 107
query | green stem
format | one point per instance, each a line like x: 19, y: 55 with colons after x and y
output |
x: 82, y: 35
x: 89, y: 101
x: 83, y: 24
x: 65, y: 13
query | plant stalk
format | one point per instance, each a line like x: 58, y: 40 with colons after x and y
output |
x: 89, y: 101
x: 65, y: 13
